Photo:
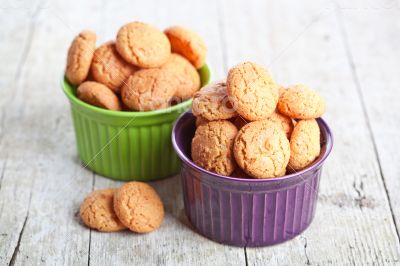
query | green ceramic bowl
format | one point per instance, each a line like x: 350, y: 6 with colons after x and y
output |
x: 127, y: 145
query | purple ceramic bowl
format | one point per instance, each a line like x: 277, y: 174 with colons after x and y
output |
x: 247, y: 212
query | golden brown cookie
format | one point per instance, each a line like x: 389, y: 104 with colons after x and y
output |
x: 98, y: 95
x: 262, y: 149
x: 186, y: 76
x: 212, y: 102
x: 139, y: 207
x: 212, y: 147
x: 301, y: 102
x: 187, y: 43
x: 97, y: 211
x: 148, y: 89
x: 305, y: 144
x: 283, y: 121
x: 252, y: 91
x: 201, y: 121
x: 143, y: 45
x: 80, y: 56
x: 109, y: 68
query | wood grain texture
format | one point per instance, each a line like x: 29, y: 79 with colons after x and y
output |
x: 374, y: 60
x: 302, y: 43
x: 322, y: 44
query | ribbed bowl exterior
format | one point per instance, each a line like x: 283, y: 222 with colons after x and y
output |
x: 244, y: 215
x: 141, y: 152
x: 248, y: 212
x: 127, y: 145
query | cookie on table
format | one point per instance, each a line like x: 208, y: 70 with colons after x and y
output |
x: 139, y: 207
x: 97, y: 211
x: 262, y: 149
x: 109, y: 68
x: 253, y: 92
x: 80, y: 56
x: 143, y: 45
x: 186, y: 76
x: 212, y: 147
x: 300, y: 102
x: 98, y: 95
x: 148, y: 89
x: 305, y: 144
x: 212, y: 102
x: 187, y: 43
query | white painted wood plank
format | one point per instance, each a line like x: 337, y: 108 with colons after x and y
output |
x: 376, y: 64
x: 43, y: 181
x: 301, y: 42
x: 175, y: 243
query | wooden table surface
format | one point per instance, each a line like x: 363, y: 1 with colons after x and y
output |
x: 348, y: 51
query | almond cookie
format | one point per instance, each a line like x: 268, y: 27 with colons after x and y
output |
x: 212, y: 102
x: 148, y: 89
x: 109, y: 68
x: 301, y: 102
x: 139, y: 207
x: 201, y: 121
x: 262, y: 149
x: 143, y: 45
x: 97, y: 211
x: 80, y: 56
x: 283, y: 121
x: 305, y: 144
x: 252, y: 91
x: 98, y: 95
x: 186, y: 76
x: 187, y: 43
x: 212, y: 147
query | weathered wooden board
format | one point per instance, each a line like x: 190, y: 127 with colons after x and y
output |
x: 374, y: 57
x: 302, y: 43
x: 321, y: 44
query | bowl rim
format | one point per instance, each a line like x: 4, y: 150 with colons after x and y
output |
x: 128, y: 114
x: 315, y: 165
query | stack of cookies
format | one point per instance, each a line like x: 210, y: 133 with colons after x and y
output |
x: 250, y: 127
x: 135, y: 206
x: 144, y: 69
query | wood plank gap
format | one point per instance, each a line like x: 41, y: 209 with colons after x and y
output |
x: 350, y: 58
x: 2, y: 172
x: 21, y: 233
x: 90, y: 229
x: 245, y: 256
x: 16, y: 250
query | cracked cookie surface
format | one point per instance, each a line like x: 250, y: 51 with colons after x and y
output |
x: 80, y: 56
x: 300, y: 102
x: 252, y: 91
x: 139, y: 207
x: 188, y: 44
x: 305, y: 144
x: 148, y: 89
x: 212, y: 147
x: 97, y: 211
x: 212, y: 102
x: 143, y: 45
x: 262, y: 149
x: 186, y: 76
x: 109, y: 68
x: 98, y: 95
